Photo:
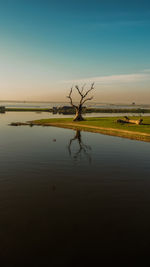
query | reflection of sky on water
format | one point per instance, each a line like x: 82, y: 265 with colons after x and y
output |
x: 34, y: 146
x: 51, y: 204
x: 26, y: 104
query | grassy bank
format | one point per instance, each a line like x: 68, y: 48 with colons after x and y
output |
x: 103, y: 125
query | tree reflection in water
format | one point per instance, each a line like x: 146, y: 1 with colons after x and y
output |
x: 83, y: 149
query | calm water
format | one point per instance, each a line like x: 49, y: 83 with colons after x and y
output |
x: 71, y: 198
x: 26, y: 104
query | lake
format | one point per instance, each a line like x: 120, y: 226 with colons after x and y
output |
x: 71, y: 198
x: 38, y: 104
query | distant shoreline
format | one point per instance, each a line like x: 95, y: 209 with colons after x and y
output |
x: 65, y: 102
x: 88, y: 110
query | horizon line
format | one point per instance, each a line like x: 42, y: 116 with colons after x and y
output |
x: 95, y: 102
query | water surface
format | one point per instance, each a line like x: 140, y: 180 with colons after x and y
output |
x: 48, y: 104
x: 71, y: 198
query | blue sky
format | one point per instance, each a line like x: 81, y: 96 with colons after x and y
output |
x: 46, y: 46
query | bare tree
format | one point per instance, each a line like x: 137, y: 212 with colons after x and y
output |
x: 83, y: 99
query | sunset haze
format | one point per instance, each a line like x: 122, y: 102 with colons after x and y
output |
x: 48, y: 46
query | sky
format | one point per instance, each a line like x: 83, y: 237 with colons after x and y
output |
x: 48, y: 46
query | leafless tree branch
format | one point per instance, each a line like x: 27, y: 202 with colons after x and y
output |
x: 83, y: 88
x: 69, y: 96
x: 91, y: 88
x: 80, y: 92
x: 87, y: 99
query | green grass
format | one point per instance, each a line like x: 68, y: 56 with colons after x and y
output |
x: 109, y: 122
x: 112, y: 123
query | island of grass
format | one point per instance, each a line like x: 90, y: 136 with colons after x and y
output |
x: 103, y: 125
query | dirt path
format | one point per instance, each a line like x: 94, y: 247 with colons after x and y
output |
x: 97, y: 128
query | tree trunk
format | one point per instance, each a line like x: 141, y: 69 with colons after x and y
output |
x: 78, y: 116
x: 127, y: 120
